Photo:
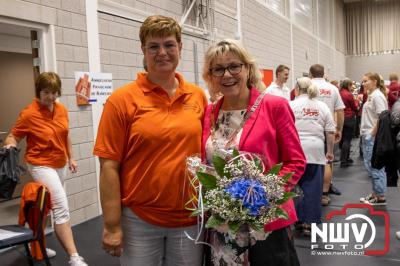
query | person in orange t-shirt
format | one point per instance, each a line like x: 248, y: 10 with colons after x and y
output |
x: 48, y: 154
x: 147, y: 130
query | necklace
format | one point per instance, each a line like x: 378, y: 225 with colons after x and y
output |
x: 226, y: 124
x: 232, y: 137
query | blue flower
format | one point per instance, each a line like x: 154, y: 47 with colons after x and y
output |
x: 251, y: 193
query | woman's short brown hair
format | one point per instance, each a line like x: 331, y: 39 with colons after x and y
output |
x: 159, y: 26
x: 393, y: 77
x: 345, y: 84
x: 48, y: 80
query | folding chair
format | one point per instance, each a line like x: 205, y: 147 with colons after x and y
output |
x: 26, y: 235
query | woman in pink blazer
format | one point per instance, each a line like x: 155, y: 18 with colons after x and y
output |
x: 270, y: 131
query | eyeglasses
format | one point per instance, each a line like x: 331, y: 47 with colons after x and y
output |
x: 154, y: 48
x: 233, y: 69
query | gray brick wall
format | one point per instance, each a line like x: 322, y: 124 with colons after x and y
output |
x: 326, y: 59
x: 69, y: 20
x: 305, y: 50
x: 265, y: 33
x: 340, y: 65
x: 120, y: 52
x: 383, y: 64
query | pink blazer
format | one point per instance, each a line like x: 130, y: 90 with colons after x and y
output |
x: 270, y: 132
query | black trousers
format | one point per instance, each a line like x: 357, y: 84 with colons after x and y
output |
x: 357, y: 126
x: 391, y: 174
x: 277, y: 250
x: 347, y: 136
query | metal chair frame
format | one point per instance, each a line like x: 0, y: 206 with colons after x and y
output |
x: 28, y: 235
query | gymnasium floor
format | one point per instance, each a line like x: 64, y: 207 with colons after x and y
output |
x: 353, y: 182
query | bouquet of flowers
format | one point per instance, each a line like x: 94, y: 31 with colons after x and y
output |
x: 237, y: 195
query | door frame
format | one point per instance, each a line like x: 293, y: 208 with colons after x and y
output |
x: 46, y: 35
x: 47, y: 50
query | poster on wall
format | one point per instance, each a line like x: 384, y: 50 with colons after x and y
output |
x: 92, y: 87
x: 268, y: 76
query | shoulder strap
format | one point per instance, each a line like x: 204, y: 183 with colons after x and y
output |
x: 245, y: 118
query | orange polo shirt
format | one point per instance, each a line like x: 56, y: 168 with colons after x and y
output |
x: 46, y: 134
x: 150, y: 135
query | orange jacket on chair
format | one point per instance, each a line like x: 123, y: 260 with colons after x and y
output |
x: 29, y: 212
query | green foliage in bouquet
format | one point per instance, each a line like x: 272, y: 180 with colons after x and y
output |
x: 239, y: 192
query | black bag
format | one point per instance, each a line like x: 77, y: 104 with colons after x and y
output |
x: 383, y: 149
x: 10, y: 171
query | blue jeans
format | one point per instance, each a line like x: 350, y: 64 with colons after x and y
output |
x: 309, y: 208
x: 378, y: 176
x: 147, y: 244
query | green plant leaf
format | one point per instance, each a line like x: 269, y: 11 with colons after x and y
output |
x: 275, y: 169
x: 289, y: 195
x: 214, y: 221
x: 207, y: 180
x: 234, y: 226
x: 197, y: 212
x: 259, y: 164
x: 287, y: 176
x: 235, y: 153
x: 281, y: 213
x: 257, y: 227
x: 219, y: 165
x: 286, y: 197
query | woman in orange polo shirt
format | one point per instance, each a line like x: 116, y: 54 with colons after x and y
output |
x: 44, y: 123
x: 147, y: 130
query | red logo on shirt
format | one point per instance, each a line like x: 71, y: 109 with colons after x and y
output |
x: 310, y: 112
x: 324, y: 92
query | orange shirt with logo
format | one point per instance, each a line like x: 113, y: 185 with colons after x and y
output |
x: 151, y: 135
x: 46, y: 134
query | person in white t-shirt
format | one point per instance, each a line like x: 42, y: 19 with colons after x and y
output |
x: 329, y: 94
x: 375, y: 104
x: 278, y: 87
x: 313, y: 122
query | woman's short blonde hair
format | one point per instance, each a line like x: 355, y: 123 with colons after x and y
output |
x: 231, y: 46
x: 306, y: 86
x: 160, y: 26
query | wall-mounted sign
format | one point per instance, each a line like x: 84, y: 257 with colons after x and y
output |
x: 92, y: 87
x: 268, y: 76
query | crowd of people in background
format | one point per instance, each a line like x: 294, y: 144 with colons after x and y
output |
x: 364, y: 110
